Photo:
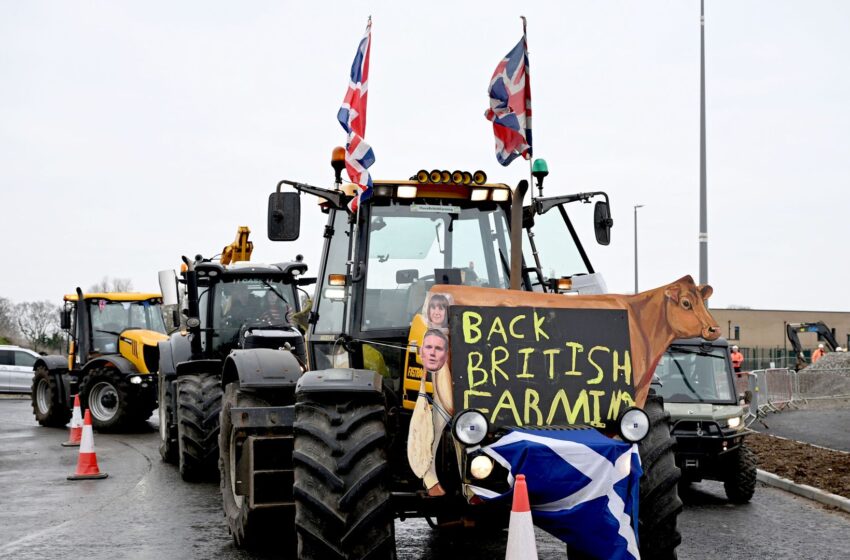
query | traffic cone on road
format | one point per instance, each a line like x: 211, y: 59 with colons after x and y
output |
x: 87, y: 463
x: 521, y: 542
x: 76, y: 426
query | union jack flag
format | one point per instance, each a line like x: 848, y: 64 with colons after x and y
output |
x: 510, y: 105
x: 352, y: 116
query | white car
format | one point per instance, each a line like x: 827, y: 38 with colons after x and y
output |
x: 16, y: 369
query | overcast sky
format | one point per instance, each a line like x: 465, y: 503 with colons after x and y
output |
x: 132, y: 133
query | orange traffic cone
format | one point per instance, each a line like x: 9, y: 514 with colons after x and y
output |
x: 521, y: 542
x: 87, y: 463
x: 76, y: 425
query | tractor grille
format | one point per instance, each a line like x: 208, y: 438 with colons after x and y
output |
x: 151, y: 356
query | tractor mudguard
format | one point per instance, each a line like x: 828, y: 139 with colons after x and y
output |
x: 52, y: 362
x: 196, y: 367
x: 261, y: 367
x: 173, y: 351
x: 113, y: 361
x: 340, y: 380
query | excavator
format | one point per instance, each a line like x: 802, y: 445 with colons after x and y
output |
x: 824, y: 333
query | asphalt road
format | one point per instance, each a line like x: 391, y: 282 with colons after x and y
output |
x: 827, y: 427
x: 144, y: 511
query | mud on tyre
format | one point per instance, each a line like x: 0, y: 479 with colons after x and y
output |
x: 342, y: 498
x: 659, y: 498
x: 45, y: 400
x: 198, y: 409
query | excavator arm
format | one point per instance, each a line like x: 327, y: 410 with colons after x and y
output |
x: 240, y: 249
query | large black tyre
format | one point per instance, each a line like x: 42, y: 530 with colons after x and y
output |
x: 167, y: 431
x: 249, y: 529
x: 659, y: 498
x: 113, y: 403
x: 342, y: 497
x: 45, y: 400
x: 198, y: 410
x: 740, y: 482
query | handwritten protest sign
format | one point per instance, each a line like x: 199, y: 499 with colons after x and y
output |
x: 534, y: 366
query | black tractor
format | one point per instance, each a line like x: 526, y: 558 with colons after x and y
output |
x: 223, y: 309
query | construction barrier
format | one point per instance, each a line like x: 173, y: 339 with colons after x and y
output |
x: 776, y: 389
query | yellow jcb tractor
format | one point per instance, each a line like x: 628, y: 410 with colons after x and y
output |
x: 111, y: 361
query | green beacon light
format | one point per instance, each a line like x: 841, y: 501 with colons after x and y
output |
x: 539, y: 170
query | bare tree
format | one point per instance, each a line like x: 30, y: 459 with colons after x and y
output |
x: 38, y: 322
x: 112, y: 285
x: 8, y: 327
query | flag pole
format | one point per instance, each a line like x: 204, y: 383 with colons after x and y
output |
x: 528, y: 78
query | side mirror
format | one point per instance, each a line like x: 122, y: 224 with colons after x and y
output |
x: 602, y: 222
x: 175, y: 317
x: 168, y: 287
x: 284, y: 221
x: 746, y: 397
x: 65, y: 320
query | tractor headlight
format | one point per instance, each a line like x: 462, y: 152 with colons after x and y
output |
x: 470, y: 427
x: 633, y: 425
x: 481, y: 466
x: 135, y: 380
x: 734, y: 422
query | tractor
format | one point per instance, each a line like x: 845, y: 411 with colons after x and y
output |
x: 226, y: 305
x: 111, y: 363
x: 324, y: 450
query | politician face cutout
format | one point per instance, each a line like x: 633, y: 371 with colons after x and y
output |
x: 435, y: 350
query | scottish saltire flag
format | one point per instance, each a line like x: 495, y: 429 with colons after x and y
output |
x: 510, y: 105
x: 583, y: 486
x: 352, y: 116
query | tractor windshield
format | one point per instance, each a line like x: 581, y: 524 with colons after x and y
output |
x: 691, y: 374
x: 109, y: 318
x: 413, y: 246
x: 238, y: 302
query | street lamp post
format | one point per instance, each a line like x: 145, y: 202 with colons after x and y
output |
x: 636, y: 247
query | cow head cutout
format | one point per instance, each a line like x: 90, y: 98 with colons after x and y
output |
x: 686, y: 310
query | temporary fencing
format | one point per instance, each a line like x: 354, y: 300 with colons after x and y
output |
x: 775, y: 389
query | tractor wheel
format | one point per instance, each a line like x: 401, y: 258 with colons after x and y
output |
x: 113, y: 404
x: 342, y: 498
x: 198, y: 409
x: 45, y: 400
x: 167, y: 436
x: 659, y: 498
x: 740, y: 482
x: 249, y: 529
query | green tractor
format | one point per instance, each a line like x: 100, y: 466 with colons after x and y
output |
x: 111, y: 363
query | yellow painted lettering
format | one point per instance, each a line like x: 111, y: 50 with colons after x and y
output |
x: 514, y: 321
x: 472, y: 368
x: 506, y: 401
x: 497, y: 328
x: 532, y: 399
x: 619, y: 398
x: 470, y: 393
x: 576, y: 348
x: 538, y: 332
x: 471, y: 323
x: 550, y: 354
x: 495, y: 361
x: 599, y: 372
x: 597, y: 420
x: 526, y: 352
x: 570, y: 413
x: 626, y: 366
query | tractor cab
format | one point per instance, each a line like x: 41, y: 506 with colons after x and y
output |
x: 435, y: 228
